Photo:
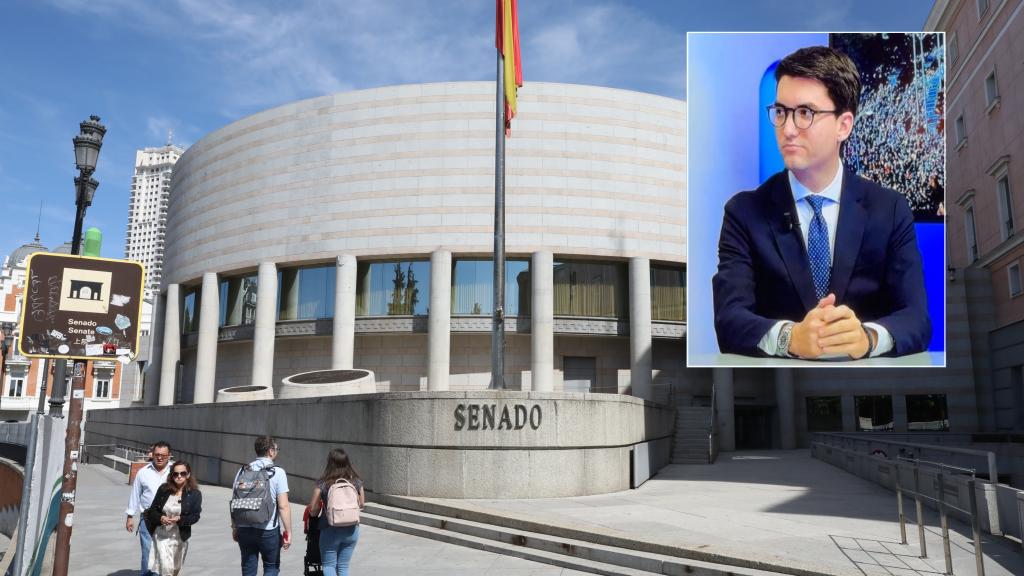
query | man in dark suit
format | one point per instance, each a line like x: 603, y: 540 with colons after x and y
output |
x: 818, y: 262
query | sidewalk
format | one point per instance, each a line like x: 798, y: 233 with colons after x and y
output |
x: 772, y: 506
x: 101, y: 547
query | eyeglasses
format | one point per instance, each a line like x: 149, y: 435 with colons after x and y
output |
x: 161, y: 456
x: 803, y: 116
x: 180, y: 474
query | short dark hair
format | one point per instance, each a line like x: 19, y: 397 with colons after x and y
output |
x: 161, y: 444
x: 829, y: 66
x: 264, y: 444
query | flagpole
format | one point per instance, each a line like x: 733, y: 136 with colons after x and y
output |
x: 498, y: 321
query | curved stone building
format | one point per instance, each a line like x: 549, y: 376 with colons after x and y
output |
x: 355, y: 230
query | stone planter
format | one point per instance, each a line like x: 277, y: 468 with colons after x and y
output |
x: 245, y: 393
x: 328, y: 383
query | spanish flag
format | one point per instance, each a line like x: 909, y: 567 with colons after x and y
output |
x: 507, y: 42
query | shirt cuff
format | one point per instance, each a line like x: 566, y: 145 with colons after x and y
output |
x: 769, y: 343
x: 884, y: 341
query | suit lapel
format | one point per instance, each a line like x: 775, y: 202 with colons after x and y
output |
x: 789, y: 242
x: 849, y: 232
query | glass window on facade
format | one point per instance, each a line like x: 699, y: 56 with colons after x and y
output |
x: 873, y: 413
x: 238, y: 301
x: 668, y: 293
x: 306, y: 293
x: 190, y: 311
x: 824, y: 414
x: 927, y: 412
x: 393, y: 288
x: 102, y: 388
x: 591, y: 289
x: 16, y: 387
x: 473, y: 287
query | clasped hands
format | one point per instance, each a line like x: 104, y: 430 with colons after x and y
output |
x: 829, y: 330
x: 169, y: 520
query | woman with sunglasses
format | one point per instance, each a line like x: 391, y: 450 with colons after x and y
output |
x: 175, y: 509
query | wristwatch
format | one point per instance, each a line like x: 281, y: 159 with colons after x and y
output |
x: 785, y: 335
x: 871, y: 342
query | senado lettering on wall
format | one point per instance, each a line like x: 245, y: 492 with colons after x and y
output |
x: 490, y: 417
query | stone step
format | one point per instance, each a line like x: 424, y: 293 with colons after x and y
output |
x: 690, y: 461
x: 556, y: 550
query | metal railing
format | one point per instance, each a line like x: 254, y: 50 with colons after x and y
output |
x: 713, y: 433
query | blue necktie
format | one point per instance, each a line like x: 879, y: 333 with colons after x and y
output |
x: 817, y: 248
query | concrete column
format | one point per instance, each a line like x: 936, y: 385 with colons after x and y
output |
x: 343, y: 345
x: 151, y: 375
x: 784, y: 401
x: 849, y: 413
x: 899, y: 412
x: 640, y: 349
x: 266, y: 326
x: 722, y: 378
x: 206, y: 349
x: 542, y: 322
x: 439, y: 339
x: 171, y: 353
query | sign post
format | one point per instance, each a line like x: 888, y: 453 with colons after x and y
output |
x: 81, y: 308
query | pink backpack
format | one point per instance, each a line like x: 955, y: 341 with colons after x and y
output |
x: 342, y: 504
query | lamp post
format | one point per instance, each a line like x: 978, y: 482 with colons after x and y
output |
x: 87, y: 152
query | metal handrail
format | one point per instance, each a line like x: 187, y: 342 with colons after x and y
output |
x: 943, y: 507
x: 942, y: 465
x: 713, y: 433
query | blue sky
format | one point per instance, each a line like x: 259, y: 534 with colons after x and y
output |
x: 146, y: 67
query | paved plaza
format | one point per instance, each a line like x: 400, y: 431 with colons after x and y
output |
x: 101, y: 547
x: 779, y: 507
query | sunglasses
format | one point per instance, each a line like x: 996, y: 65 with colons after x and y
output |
x: 179, y: 474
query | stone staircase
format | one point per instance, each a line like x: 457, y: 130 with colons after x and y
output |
x: 574, y: 549
x: 693, y: 424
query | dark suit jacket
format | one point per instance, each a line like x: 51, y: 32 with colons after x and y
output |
x: 191, y: 508
x: 764, y: 274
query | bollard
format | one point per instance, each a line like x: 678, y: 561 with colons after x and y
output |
x: 979, y: 559
x: 944, y: 521
x: 899, y: 505
x: 920, y: 511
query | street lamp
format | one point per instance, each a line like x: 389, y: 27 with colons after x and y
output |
x: 87, y: 152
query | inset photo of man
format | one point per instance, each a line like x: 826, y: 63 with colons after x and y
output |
x: 815, y: 200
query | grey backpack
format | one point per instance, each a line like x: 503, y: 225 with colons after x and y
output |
x: 251, y: 500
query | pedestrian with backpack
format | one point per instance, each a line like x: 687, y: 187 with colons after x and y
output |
x: 261, y: 518
x: 338, y: 495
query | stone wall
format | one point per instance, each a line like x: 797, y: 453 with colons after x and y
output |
x: 433, y: 444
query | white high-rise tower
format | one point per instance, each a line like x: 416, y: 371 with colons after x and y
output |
x: 147, y: 210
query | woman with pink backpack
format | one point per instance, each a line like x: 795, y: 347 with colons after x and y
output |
x: 338, y: 495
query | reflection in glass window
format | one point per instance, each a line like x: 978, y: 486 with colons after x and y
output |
x: 190, y: 311
x: 874, y: 413
x: 668, y: 293
x: 473, y: 287
x: 393, y: 288
x: 824, y: 414
x: 306, y: 293
x: 927, y: 412
x: 591, y: 289
x: 238, y: 301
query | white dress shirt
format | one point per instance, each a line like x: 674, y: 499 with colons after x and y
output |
x: 769, y: 343
x: 147, y: 481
